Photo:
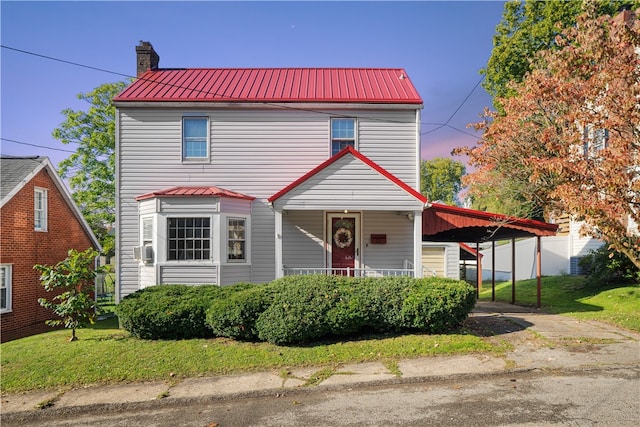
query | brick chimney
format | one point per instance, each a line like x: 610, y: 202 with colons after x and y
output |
x: 146, y: 58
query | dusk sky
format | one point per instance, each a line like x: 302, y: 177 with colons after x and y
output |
x: 441, y: 45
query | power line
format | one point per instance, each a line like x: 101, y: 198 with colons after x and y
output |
x: 206, y: 92
x: 446, y: 123
x: 36, y: 145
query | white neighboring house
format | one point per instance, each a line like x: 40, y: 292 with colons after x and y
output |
x: 229, y: 175
x: 560, y: 255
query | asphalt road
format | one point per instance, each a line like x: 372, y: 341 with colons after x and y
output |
x: 606, y: 397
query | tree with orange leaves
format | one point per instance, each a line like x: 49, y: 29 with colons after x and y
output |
x: 569, y: 139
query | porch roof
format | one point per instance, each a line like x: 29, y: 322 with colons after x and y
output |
x: 194, y: 191
x: 334, y: 179
x: 443, y: 223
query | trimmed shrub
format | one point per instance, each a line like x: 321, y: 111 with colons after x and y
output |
x: 235, y: 317
x: 299, y: 309
x: 436, y: 305
x: 382, y: 300
x: 170, y: 311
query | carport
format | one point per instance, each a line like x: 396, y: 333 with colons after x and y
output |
x: 443, y: 223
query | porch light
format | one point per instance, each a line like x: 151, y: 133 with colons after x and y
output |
x: 410, y: 216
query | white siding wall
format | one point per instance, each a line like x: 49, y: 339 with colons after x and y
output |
x: 303, y: 239
x: 399, y: 246
x: 255, y: 152
x: 231, y: 274
x: 194, y: 274
x: 581, y: 245
x: 349, y: 184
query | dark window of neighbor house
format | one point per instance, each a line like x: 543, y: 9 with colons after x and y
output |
x: 343, y: 134
x: 236, y: 240
x: 195, y: 138
x: 188, y: 239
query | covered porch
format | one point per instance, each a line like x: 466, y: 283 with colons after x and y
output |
x: 348, y: 216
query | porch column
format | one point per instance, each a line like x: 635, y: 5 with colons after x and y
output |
x: 417, y: 244
x: 278, y: 246
x: 538, y: 271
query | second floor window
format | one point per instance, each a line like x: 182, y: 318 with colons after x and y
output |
x: 343, y: 134
x: 195, y: 138
x: 40, y: 209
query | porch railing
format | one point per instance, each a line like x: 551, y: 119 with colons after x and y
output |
x: 357, y: 272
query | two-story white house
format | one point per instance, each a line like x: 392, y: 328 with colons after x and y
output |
x: 229, y: 175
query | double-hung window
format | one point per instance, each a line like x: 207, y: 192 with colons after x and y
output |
x: 343, y: 134
x: 40, y: 209
x: 189, y: 238
x: 195, y: 138
x: 236, y: 239
x: 5, y: 287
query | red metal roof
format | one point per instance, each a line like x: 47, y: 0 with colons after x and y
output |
x: 207, y: 191
x: 358, y: 155
x: 454, y: 224
x: 341, y: 85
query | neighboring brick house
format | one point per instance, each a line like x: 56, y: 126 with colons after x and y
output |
x: 40, y: 223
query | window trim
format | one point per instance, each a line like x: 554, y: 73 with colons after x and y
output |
x: 43, y: 192
x: 8, y: 285
x: 332, y: 139
x: 183, y: 153
x: 210, y: 239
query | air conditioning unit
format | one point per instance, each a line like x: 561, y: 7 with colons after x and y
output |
x: 143, y: 253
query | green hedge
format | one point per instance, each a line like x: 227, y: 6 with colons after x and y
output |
x: 235, y: 317
x: 171, y: 311
x: 298, y: 309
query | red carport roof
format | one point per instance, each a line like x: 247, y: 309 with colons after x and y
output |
x: 195, y: 191
x: 445, y: 223
x: 341, y: 85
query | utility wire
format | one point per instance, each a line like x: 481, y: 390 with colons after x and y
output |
x: 51, y: 58
x: 446, y: 124
x: 35, y: 145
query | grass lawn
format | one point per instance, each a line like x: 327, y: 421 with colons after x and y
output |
x: 618, y: 305
x: 106, y: 354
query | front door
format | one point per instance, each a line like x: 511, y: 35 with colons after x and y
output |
x: 343, y: 232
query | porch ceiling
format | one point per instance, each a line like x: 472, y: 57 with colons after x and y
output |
x: 443, y: 223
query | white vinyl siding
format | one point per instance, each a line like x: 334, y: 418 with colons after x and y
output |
x: 399, y: 246
x: 303, y: 239
x: 349, y: 184
x: 254, y: 152
x: 194, y: 275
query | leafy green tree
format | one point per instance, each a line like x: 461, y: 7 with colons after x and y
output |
x: 74, y: 278
x: 91, y: 169
x: 529, y: 26
x: 440, y: 179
